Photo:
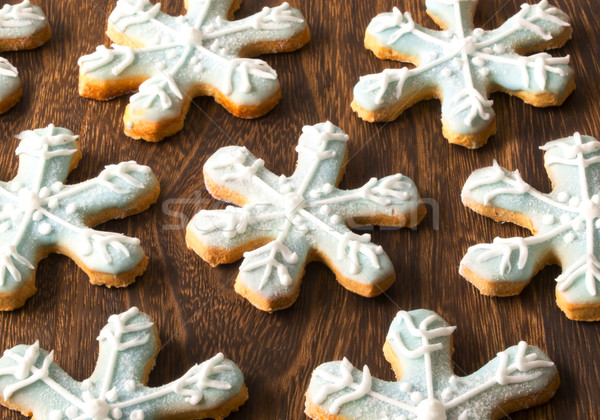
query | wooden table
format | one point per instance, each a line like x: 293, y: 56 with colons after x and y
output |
x: 195, y: 307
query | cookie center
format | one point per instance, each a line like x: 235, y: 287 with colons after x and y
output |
x: 431, y: 410
x: 293, y: 202
x: 192, y: 36
x: 97, y: 409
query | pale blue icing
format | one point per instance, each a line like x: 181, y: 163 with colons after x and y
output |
x: 17, y: 21
x: 428, y: 389
x: 301, y: 213
x: 38, y: 210
x: 201, y: 47
x: 31, y: 380
x: 465, y: 63
x: 566, y: 221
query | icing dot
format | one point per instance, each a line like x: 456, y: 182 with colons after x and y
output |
x: 478, y: 61
x: 37, y: 216
x: 431, y: 410
x: 484, y: 71
x: 416, y: 397
x: 578, y: 224
x: 405, y: 386
x: 325, y: 210
x: 499, y: 48
x: 56, y: 187
x: 446, y: 72
x: 72, y: 412
x: 548, y: 219
x: 117, y: 413
x: 574, y: 201
x: 447, y: 394
x: 447, y: 34
x: 56, y: 415
x: 595, y: 199
x: 569, y: 237
x: 44, y: 192
x: 313, y: 194
x: 453, y: 380
x: 563, y: 197
x: 478, y: 32
x: 129, y: 386
x: 198, y: 68
x: 565, y: 218
x: 129, y: 124
x: 52, y: 203
x: 487, y: 50
x: 136, y: 415
x: 335, y: 219
x: 327, y: 188
x: 71, y: 208
x: 44, y: 228
x: 457, y: 62
x: 171, y: 54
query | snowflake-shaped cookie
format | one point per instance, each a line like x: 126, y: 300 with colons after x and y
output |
x: 565, y: 223
x: 178, y: 58
x: 462, y: 65
x: 23, y: 26
x: 31, y: 382
x: 40, y: 215
x: 285, y: 222
x: 419, y: 348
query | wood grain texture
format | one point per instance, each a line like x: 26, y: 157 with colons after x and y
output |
x: 195, y: 307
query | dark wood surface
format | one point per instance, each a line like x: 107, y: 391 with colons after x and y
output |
x: 195, y: 307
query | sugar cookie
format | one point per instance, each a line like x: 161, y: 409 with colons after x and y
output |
x: 419, y: 348
x: 23, y: 26
x: 40, y: 215
x: 32, y: 383
x: 565, y: 224
x: 462, y: 65
x: 286, y: 222
x: 174, y: 59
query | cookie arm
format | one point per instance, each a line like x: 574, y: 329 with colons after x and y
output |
x: 119, y: 191
x: 390, y: 201
x: 223, y: 236
x: 503, y: 195
x: 534, y: 28
x: 273, y: 30
x: 396, y: 36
